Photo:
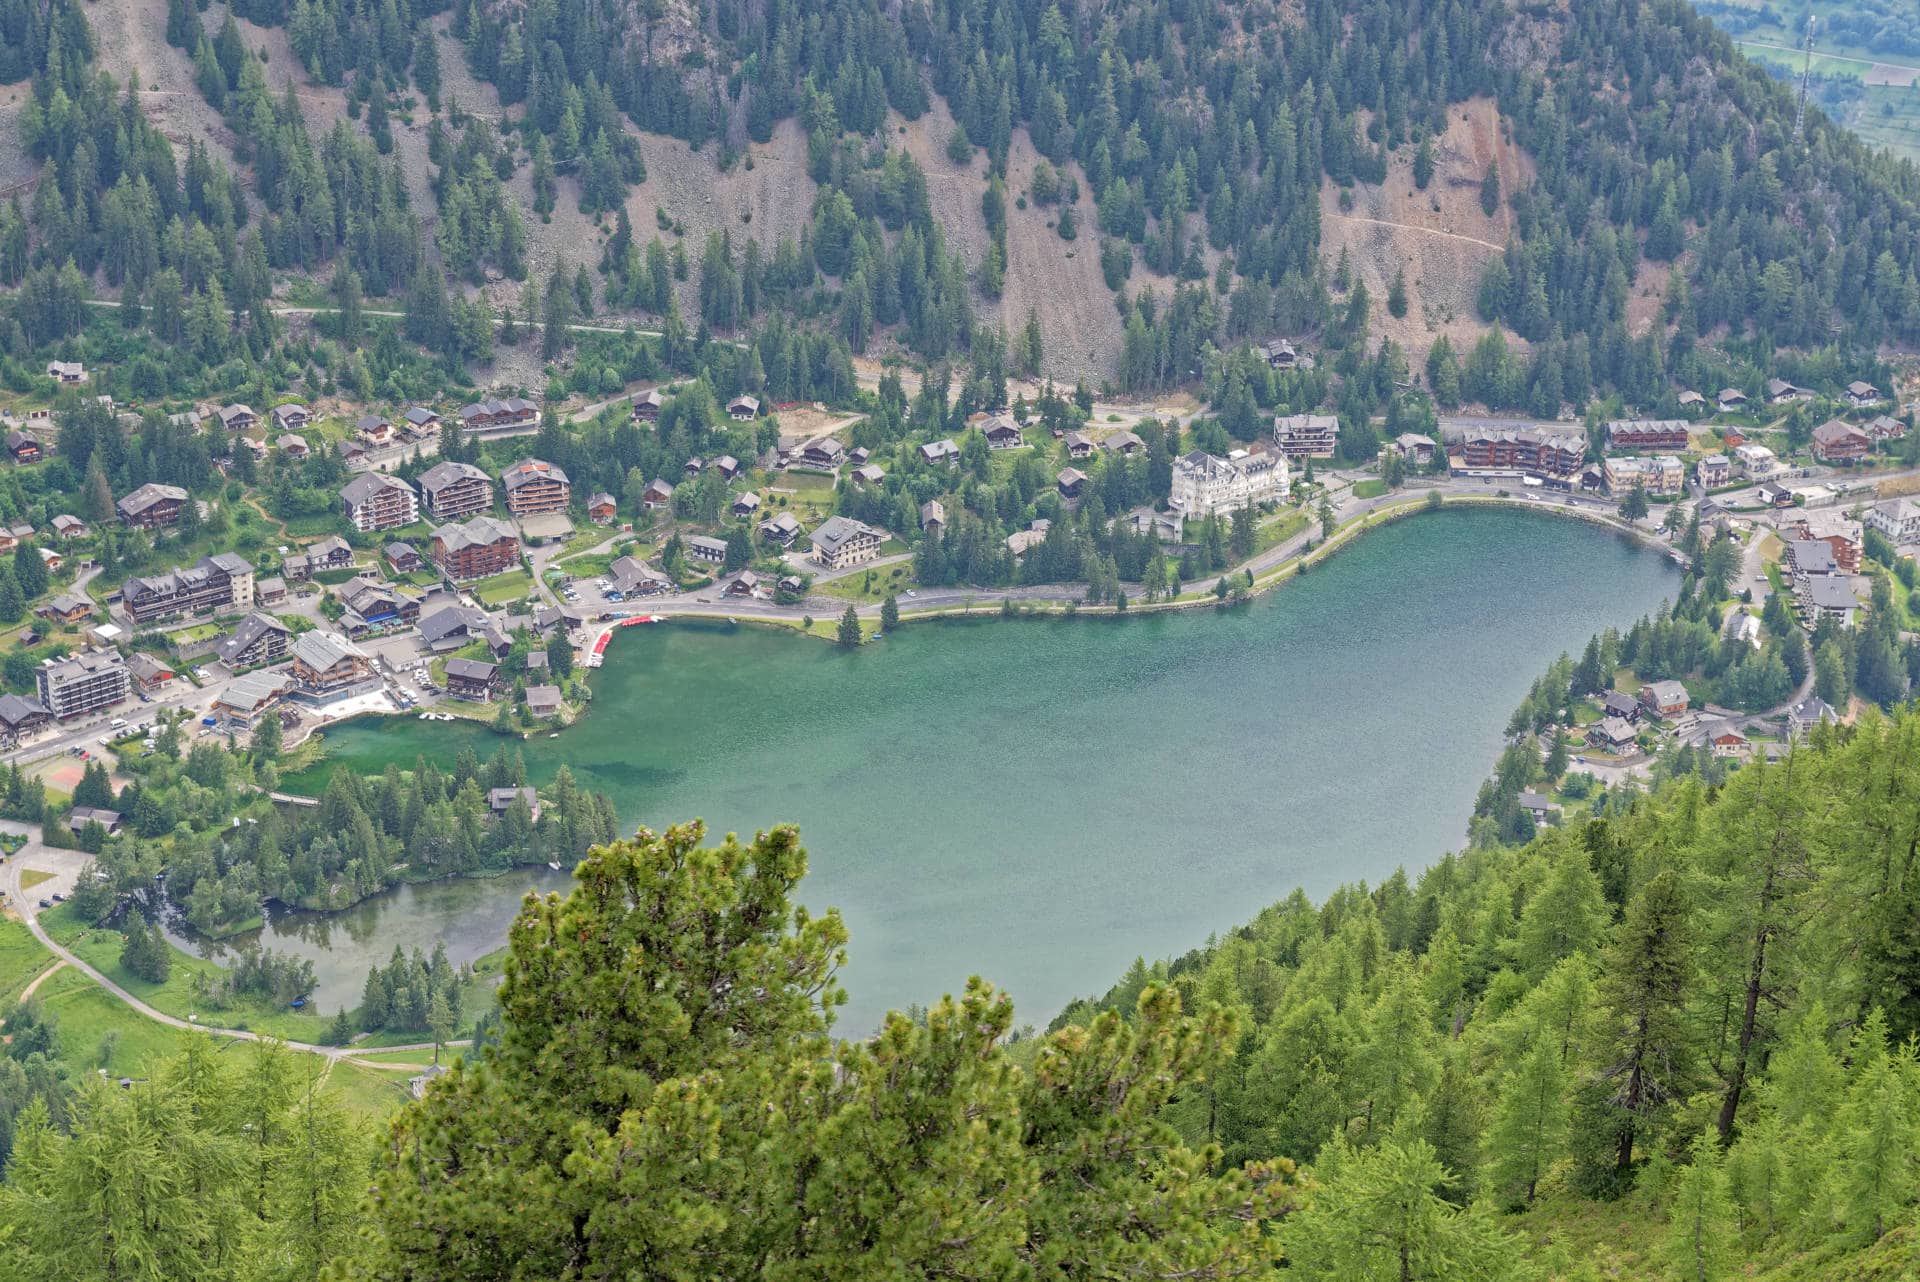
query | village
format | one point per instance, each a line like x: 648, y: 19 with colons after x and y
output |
x: 444, y: 588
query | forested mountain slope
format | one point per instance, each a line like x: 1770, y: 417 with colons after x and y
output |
x: 1141, y: 181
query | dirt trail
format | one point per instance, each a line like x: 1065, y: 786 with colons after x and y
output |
x: 1425, y: 231
x: 41, y: 978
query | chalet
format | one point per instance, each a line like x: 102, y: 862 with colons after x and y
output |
x: 743, y: 408
x: 1755, y: 462
x: 1691, y: 400
x: 1780, y: 391
x: 534, y: 486
x: 1003, y: 434
x: 327, y: 666
x: 1898, y: 520
x: 1079, y: 445
x: 150, y: 676
x: 68, y: 526
x: 270, y: 591
x: 1730, y: 400
x: 942, y: 452
x: 868, y: 474
x: 152, y: 506
x: 647, y: 406
x: 1860, y: 395
x: 1537, y: 805
x: 419, y: 421
x: 630, y: 576
x: 658, y: 494
x: 189, y: 419
x: 1279, y: 353
x: 290, y: 417
x: 859, y: 455
x: 1070, y: 482
x: 537, y: 663
x: 1647, y: 434
x: 1306, y: 435
x: 236, y: 417
x: 375, y: 431
x: 493, y: 415
x: 376, y: 501
x: 67, y: 373
x: 1835, y: 441
x: 449, y: 627
x: 20, y: 716
x: 68, y: 608
x: 745, y: 583
x: 601, y: 509
x: 1021, y: 541
x: 704, y: 548
x: 52, y: 560
x: 544, y: 701
x: 259, y: 639
x: 1713, y: 471
x: 933, y: 516
x: 841, y: 541
x: 782, y: 529
x: 1885, y: 427
x: 694, y: 466
x: 374, y: 606
x: 822, y: 454
x: 1730, y: 743
x: 745, y: 503
x: 1416, y: 448
x: 403, y: 557
x: 1664, y: 698
x: 792, y: 584
x: 293, y: 446
x: 24, y: 447
x: 80, y: 816
x: 481, y: 547
x: 729, y: 466
x: 501, y: 800
x: 1615, y: 704
x: 453, y: 490
x: 472, y: 679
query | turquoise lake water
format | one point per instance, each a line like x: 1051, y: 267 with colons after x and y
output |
x: 1041, y: 801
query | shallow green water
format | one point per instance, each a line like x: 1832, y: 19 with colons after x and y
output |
x: 1041, y: 801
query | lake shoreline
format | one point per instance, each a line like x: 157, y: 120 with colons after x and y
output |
x: 1277, y: 576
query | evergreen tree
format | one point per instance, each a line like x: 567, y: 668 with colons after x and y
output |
x: 848, y: 635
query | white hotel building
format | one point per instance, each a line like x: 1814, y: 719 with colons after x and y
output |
x: 1204, y: 483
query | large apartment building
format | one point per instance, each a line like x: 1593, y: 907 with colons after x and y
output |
x: 454, y: 490
x: 1647, y: 434
x: 476, y: 549
x: 220, y: 582
x: 376, y: 501
x: 82, y: 683
x: 1306, y: 435
x: 1205, y: 483
x: 534, y: 486
x: 1527, y: 450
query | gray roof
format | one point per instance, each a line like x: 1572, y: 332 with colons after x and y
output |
x: 1830, y: 592
x: 322, y: 650
x: 478, y: 532
x: 16, y: 709
x: 503, y: 798
x: 251, y: 629
x: 837, y: 531
x: 231, y: 562
x: 367, y: 484
x: 1812, y: 556
x: 471, y: 669
x: 543, y: 697
x: 528, y: 470
x: 449, y: 620
x: 441, y: 475
x: 148, y: 495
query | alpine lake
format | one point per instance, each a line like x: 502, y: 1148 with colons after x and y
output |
x: 1040, y: 801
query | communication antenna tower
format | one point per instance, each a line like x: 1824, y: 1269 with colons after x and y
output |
x: 1806, y: 80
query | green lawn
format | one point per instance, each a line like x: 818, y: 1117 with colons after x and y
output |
x: 502, y: 588
x: 21, y: 958
x: 94, y: 1029
x: 100, y: 948
x: 31, y: 877
x: 367, y: 1093
x: 1370, y: 489
x: 893, y: 579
